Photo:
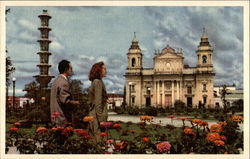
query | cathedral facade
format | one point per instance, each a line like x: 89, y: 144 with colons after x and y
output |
x: 170, y: 80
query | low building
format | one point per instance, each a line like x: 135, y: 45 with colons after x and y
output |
x: 20, y: 101
x: 115, y: 100
x: 232, y: 95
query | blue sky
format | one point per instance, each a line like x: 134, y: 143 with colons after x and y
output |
x: 85, y: 35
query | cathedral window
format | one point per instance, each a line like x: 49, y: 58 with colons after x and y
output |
x: 189, y: 90
x: 204, y: 59
x: 133, y: 62
x: 204, y: 100
x: 133, y: 88
x: 133, y: 99
x: 204, y: 87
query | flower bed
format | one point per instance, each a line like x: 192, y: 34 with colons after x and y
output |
x: 132, y: 138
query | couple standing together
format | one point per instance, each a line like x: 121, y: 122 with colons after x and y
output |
x: 62, y: 104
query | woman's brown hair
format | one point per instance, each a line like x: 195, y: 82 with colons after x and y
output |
x: 96, y: 71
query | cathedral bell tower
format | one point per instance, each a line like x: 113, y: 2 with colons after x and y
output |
x: 205, y: 54
x: 134, y: 57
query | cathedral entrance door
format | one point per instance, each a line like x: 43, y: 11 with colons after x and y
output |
x: 168, y: 100
x: 189, y: 101
x: 148, y: 101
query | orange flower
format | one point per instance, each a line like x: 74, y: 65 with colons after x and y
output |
x: 146, y: 118
x: 203, y: 123
x: 57, y: 129
x: 146, y: 139
x: 219, y: 142
x: 237, y: 118
x: 88, y: 118
x: 117, y: 125
x: 196, y: 121
x: 120, y: 145
x: 103, y: 134
x: 222, y: 123
x: 14, y: 129
x: 216, y: 127
x: 213, y: 136
x: 189, y: 131
x: 41, y: 130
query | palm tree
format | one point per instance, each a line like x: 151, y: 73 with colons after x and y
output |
x: 223, y: 93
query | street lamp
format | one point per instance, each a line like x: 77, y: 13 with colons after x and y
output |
x: 130, y: 85
x: 113, y: 92
x: 14, y: 83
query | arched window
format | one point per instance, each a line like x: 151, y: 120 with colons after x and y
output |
x: 204, y: 59
x: 133, y: 62
x: 204, y: 87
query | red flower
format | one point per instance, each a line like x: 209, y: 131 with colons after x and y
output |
x: 103, y: 134
x: 17, y: 123
x: 110, y: 141
x: 81, y: 132
x: 14, y: 129
x: 222, y: 137
x: 183, y: 118
x: 163, y: 147
x: 132, y: 131
x: 41, y: 130
x: 146, y: 139
x: 87, y: 137
x: 67, y: 130
x: 106, y: 124
x: 120, y: 145
x: 171, y: 116
x: 55, y: 114
x: 116, y: 125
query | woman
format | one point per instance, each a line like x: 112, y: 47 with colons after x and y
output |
x: 97, y: 100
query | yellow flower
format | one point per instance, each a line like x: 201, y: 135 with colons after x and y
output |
x: 88, y: 118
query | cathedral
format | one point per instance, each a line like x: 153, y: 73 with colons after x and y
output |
x: 170, y: 80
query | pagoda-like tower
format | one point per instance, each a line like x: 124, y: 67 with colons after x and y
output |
x: 44, y: 78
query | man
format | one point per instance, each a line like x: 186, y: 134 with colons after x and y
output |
x: 61, y: 103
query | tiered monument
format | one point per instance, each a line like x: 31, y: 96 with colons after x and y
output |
x: 44, y: 78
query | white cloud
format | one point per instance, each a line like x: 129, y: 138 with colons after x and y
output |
x: 27, y: 24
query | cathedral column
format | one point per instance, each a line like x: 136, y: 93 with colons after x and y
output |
x: 163, y: 93
x: 155, y: 94
x: 172, y: 93
x: 181, y: 91
x: 178, y: 90
x: 158, y: 92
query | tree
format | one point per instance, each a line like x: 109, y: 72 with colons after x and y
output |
x: 76, y: 89
x: 223, y: 93
x: 31, y: 89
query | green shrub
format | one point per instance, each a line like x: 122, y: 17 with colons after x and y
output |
x: 179, y: 106
x: 119, y: 110
x: 151, y: 111
x: 205, y: 115
x: 133, y: 110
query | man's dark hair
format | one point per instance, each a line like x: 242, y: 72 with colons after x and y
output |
x: 63, y: 66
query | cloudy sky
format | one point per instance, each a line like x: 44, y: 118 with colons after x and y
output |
x: 85, y: 35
